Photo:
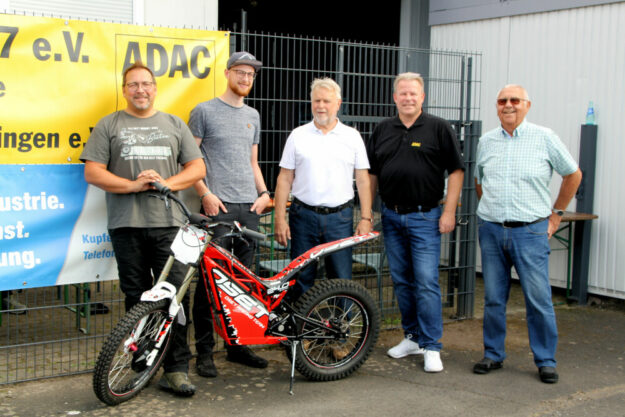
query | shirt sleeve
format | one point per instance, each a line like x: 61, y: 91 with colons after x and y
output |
x: 98, y: 146
x: 196, y: 122
x: 188, y: 146
x: 257, y: 126
x: 478, y: 167
x: 452, y: 149
x: 560, y: 157
x: 288, y: 154
x: 362, y: 162
x: 370, y: 147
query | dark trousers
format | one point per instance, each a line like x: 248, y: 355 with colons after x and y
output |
x: 309, y: 229
x: 242, y: 249
x: 141, y: 254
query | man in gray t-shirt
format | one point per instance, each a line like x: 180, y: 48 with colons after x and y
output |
x: 228, y: 133
x: 127, y: 151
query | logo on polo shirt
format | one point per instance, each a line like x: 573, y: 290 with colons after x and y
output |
x: 416, y: 144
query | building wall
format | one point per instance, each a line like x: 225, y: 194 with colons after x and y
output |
x: 565, y: 59
x: 198, y: 14
x: 454, y: 11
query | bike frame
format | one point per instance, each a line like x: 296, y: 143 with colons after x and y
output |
x: 243, y: 305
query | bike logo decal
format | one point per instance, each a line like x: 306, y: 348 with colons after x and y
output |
x: 242, y: 298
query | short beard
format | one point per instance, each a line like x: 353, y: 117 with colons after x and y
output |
x: 238, y: 90
x: 326, y: 121
x: 142, y: 107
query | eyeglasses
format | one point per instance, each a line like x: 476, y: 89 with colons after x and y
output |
x: 245, y: 74
x: 146, y: 85
x: 513, y: 100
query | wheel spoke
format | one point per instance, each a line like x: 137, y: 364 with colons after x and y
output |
x: 122, y: 369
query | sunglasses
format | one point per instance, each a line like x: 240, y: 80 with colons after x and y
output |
x: 513, y: 100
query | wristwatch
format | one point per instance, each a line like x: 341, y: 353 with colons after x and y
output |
x: 558, y: 212
x: 264, y: 192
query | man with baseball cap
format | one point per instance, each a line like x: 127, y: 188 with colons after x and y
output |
x: 228, y: 132
x: 244, y: 58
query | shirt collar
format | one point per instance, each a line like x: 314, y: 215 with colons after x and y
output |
x: 335, y: 130
x: 519, y: 131
x: 420, y: 121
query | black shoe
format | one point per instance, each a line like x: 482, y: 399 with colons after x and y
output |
x: 243, y: 355
x: 548, y: 374
x: 486, y: 365
x: 205, y: 366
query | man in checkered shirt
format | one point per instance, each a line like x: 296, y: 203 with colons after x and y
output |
x: 515, y: 163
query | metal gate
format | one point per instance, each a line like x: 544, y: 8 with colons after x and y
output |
x: 61, y: 329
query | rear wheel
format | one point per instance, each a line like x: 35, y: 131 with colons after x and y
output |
x: 129, y: 357
x: 341, y: 329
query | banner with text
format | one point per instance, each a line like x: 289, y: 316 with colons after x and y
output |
x: 58, y: 77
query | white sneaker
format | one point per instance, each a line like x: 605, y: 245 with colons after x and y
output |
x: 433, y: 361
x: 404, y: 348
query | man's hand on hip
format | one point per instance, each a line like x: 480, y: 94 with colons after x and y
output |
x: 212, y: 204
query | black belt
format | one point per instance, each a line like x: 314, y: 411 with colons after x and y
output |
x: 409, y: 209
x: 321, y: 209
x: 512, y: 225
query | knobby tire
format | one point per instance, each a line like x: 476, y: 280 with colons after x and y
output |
x: 121, y: 374
x: 337, y: 303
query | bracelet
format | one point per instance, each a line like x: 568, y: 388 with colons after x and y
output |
x: 264, y: 192
x: 369, y: 219
x: 204, y: 195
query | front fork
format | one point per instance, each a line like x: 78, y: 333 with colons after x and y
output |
x: 175, y: 307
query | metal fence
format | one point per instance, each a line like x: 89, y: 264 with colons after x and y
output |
x: 53, y: 331
x: 366, y: 73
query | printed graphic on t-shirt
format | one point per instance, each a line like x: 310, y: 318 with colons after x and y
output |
x: 140, y: 143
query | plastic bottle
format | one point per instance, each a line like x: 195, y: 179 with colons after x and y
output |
x: 590, y: 114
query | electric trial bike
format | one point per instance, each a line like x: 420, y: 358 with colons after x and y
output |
x: 328, y: 332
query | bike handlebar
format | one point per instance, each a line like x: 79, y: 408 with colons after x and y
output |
x: 161, y: 188
x: 201, y: 220
x: 253, y: 234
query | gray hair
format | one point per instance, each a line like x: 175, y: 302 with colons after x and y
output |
x: 527, y: 96
x: 327, y: 83
x: 410, y: 76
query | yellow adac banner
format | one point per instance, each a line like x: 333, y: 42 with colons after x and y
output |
x: 58, y: 77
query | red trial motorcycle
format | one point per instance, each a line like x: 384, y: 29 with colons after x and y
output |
x: 328, y: 332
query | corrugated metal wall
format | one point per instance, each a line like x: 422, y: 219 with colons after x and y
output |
x: 114, y: 10
x: 564, y: 59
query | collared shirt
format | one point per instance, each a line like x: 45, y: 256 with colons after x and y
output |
x: 410, y: 162
x: 515, y: 171
x: 324, y: 163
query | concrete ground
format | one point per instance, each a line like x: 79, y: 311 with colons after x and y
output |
x: 591, y: 363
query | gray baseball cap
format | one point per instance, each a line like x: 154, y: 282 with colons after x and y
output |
x: 243, y: 58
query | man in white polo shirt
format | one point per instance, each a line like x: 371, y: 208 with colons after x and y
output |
x: 319, y: 163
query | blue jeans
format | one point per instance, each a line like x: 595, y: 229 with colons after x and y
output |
x: 413, y: 246
x: 527, y: 249
x: 309, y: 229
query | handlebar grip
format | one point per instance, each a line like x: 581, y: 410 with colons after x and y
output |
x: 253, y: 234
x: 161, y: 188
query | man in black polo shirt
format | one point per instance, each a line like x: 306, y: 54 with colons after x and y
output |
x: 409, y: 155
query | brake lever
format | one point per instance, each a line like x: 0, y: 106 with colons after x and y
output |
x: 162, y: 197
x: 164, y: 192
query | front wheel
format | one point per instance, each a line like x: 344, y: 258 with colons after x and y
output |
x: 133, y: 352
x: 341, y: 327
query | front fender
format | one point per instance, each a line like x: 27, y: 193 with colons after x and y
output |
x: 166, y: 290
